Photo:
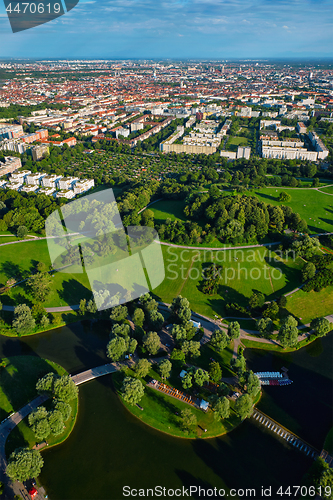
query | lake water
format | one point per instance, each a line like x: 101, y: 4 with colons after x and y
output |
x: 109, y: 448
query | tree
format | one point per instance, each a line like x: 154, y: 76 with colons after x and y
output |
x: 82, y: 308
x: 142, y: 367
x: 56, y: 422
x: 91, y: 307
x: 118, y: 314
x: 38, y: 421
x: 234, y: 330
x: 178, y: 356
x: 165, y: 367
x: 187, y: 381
x: 155, y: 320
x: 308, y: 271
x: 120, y: 330
x: 215, y: 372
x: 305, y: 246
x: 271, y: 311
x: 152, y: 342
x: 265, y: 326
x: 188, y: 419
x: 179, y: 333
x: 23, y: 321
x: 40, y: 286
x: 138, y: 317
x: 238, y: 364
x: 64, y: 408
x: 244, y: 406
x: 201, y: 377
x: 22, y: 231
x: 219, y: 340
x: 116, y: 348
x: 191, y: 348
x: 180, y: 308
x: 65, y: 389
x: 45, y: 385
x: 282, y: 301
x: 222, y: 408
x: 321, y: 326
x: 24, y: 464
x: 132, y: 390
x: 288, y: 333
x: 284, y: 196
x: 252, y: 384
x: 257, y: 300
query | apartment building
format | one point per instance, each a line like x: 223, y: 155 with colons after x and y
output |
x: 283, y: 153
x: 35, y: 179
x: 10, y: 164
x: 243, y: 152
x: 19, y: 176
x: 66, y: 183
x: 39, y: 152
x: 83, y: 185
x: 318, y: 144
x: 301, y: 128
x: 51, y: 181
x: 65, y: 193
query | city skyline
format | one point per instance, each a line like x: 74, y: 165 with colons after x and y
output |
x: 214, y: 29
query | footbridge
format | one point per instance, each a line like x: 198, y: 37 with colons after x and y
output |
x: 285, y: 434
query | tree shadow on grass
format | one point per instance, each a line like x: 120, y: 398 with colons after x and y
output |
x: 12, y: 270
x: 268, y: 196
x: 167, y: 405
x: 73, y: 291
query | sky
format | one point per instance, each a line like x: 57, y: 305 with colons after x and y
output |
x: 178, y: 29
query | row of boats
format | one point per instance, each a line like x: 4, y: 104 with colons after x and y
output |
x: 273, y: 378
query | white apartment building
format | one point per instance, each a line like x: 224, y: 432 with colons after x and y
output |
x: 283, y: 144
x: 48, y: 191
x: 288, y: 153
x: 51, y: 181
x: 228, y: 154
x: 135, y: 126
x: 65, y: 193
x: 122, y: 131
x: 16, y: 186
x: 269, y: 123
x: 322, y: 150
x: 301, y: 128
x: 83, y: 185
x: 19, y: 176
x: 3, y: 183
x: 29, y: 188
x: 35, y: 179
x: 243, y: 152
x: 67, y: 182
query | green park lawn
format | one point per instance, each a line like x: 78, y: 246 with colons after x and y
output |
x: 234, y: 142
x: 315, y: 207
x: 327, y: 189
x: 309, y: 305
x: 18, y: 381
x: 168, y: 209
x: 254, y: 270
x: 160, y: 411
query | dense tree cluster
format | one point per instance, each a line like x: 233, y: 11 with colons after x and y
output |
x: 234, y: 219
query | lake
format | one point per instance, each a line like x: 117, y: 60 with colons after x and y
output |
x: 109, y: 448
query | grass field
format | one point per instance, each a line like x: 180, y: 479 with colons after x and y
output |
x: 254, y: 269
x: 328, y: 189
x: 234, y: 142
x: 18, y: 381
x: 309, y: 305
x: 168, y: 209
x: 315, y: 207
x: 161, y: 412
